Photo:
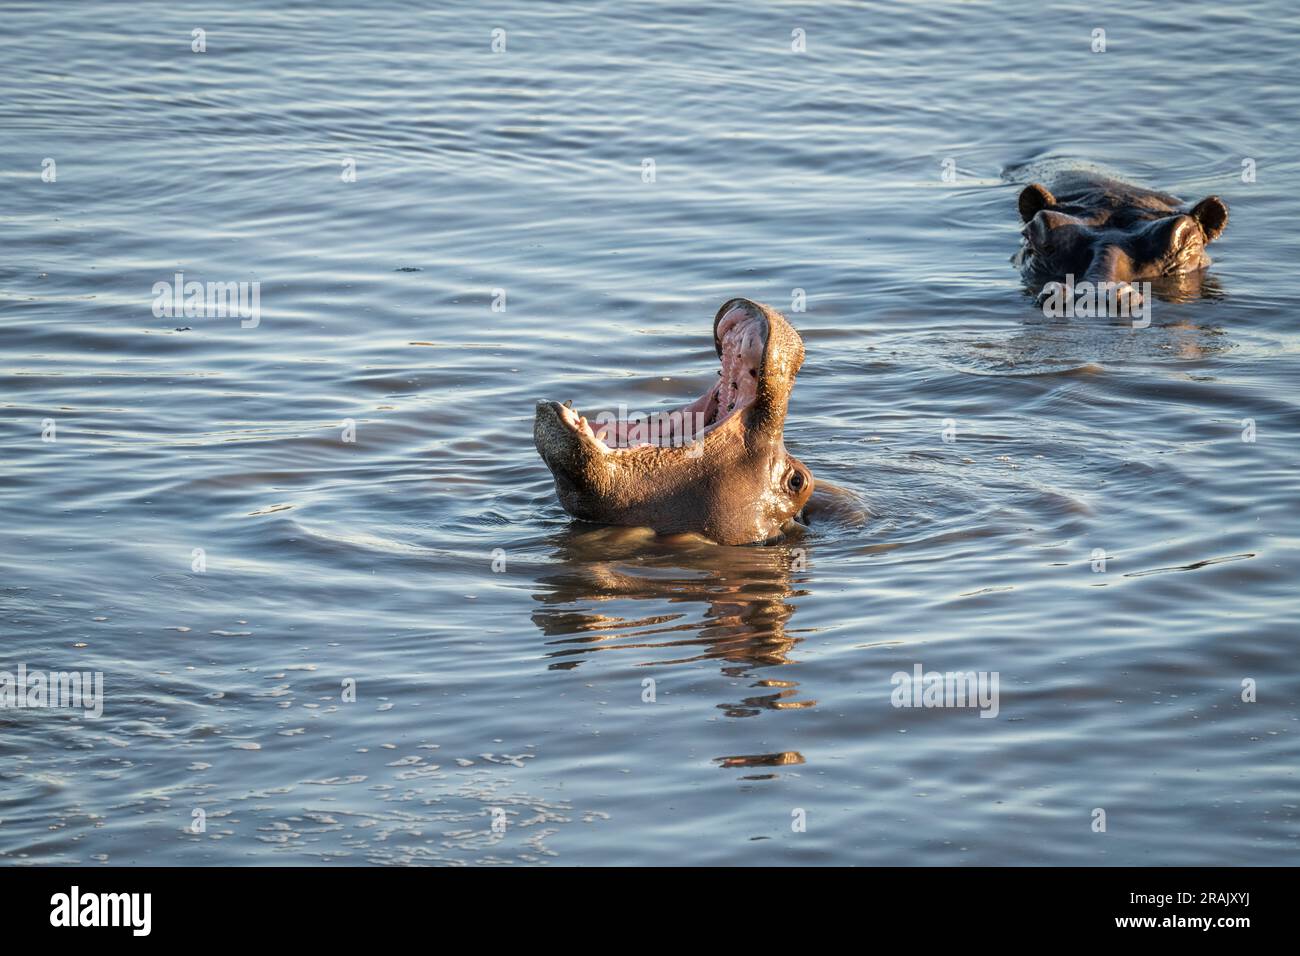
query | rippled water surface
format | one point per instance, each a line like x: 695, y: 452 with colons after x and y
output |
x: 520, y: 691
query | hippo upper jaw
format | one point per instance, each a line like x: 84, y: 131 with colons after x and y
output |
x: 716, y: 467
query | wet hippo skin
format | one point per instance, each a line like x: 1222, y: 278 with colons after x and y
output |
x: 716, y: 467
x: 1103, y: 230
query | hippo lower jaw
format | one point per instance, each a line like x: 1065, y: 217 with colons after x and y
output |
x: 716, y: 466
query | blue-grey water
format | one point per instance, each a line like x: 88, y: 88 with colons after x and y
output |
x: 180, y: 510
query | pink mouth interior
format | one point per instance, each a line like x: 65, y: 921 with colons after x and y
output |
x: 742, y: 337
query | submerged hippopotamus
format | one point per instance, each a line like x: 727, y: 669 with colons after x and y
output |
x: 717, y: 466
x: 1089, y: 228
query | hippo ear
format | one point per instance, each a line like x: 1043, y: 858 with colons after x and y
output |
x: 1212, y: 214
x: 1033, y: 198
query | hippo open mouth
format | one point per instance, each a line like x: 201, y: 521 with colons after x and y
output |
x: 716, y: 466
x: 739, y: 339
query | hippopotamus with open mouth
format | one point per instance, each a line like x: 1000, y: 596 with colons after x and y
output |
x: 1101, y: 230
x: 717, y: 466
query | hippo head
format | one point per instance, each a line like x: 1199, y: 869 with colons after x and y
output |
x: 1103, y: 231
x: 717, y: 466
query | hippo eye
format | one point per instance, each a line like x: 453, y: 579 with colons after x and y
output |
x: 1185, y: 233
x: 1183, y: 247
x: 1039, y: 241
x: 795, y: 480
